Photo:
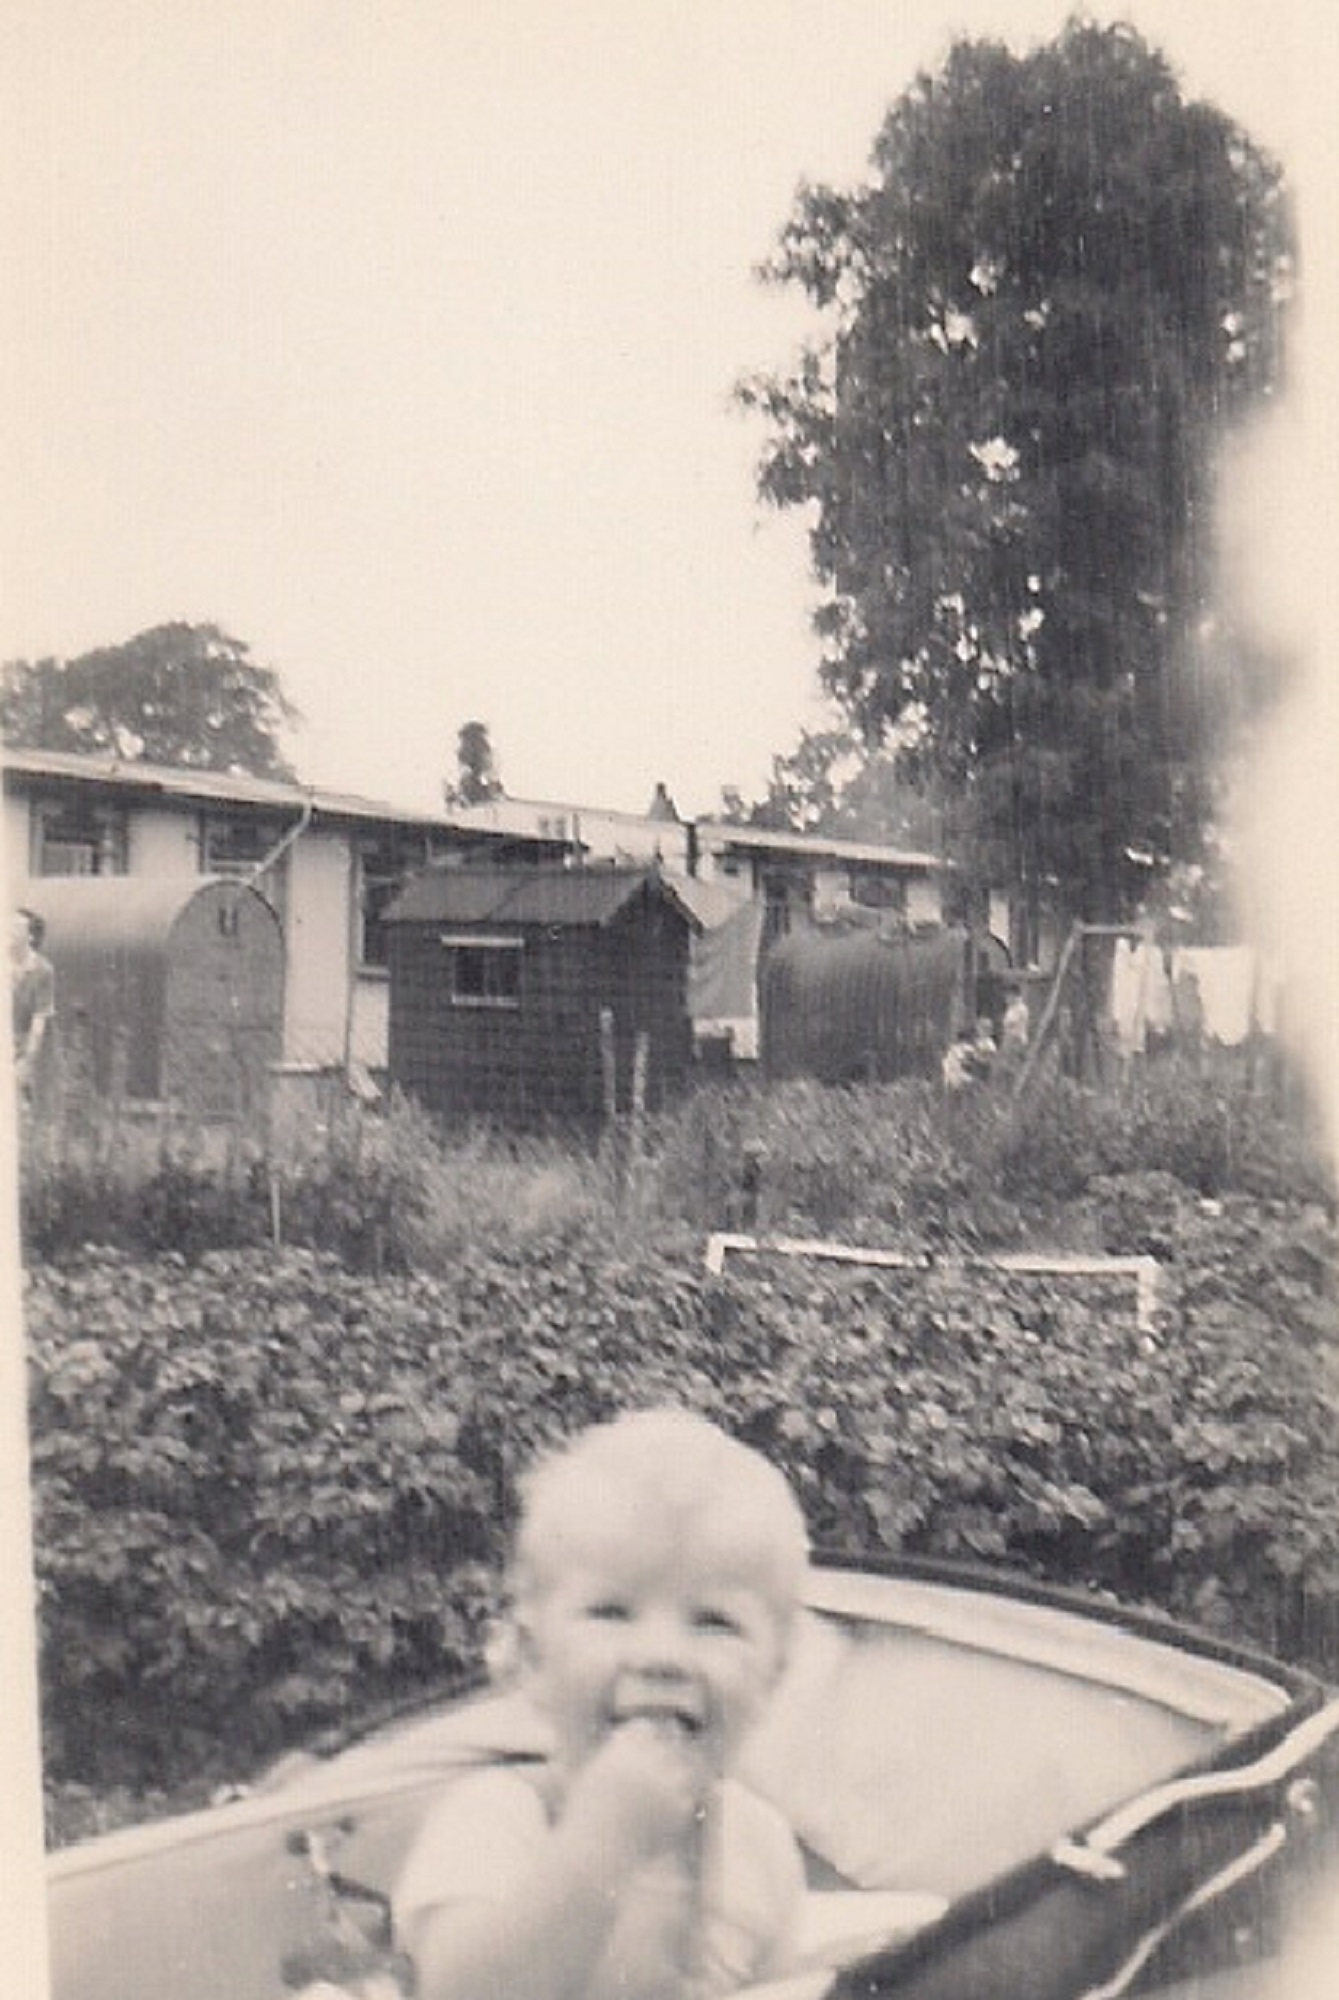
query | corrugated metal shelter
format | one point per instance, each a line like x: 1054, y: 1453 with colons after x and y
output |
x: 499, y: 977
x: 850, y: 1006
x: 170, y: 990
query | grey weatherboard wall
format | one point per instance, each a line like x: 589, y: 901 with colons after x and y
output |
x: 499, y: 977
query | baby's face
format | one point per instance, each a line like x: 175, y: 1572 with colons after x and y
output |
x: 686, y: 1641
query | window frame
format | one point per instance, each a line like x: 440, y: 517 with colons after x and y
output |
x: 396, y: 856
x: 491, y: 953
x: 263, y: 834
x: 98, y: 828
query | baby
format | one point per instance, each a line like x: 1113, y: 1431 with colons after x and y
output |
x: 657, y: 1573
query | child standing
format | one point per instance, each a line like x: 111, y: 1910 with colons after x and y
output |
x: 657, y: 1573
x: 33, y: 1005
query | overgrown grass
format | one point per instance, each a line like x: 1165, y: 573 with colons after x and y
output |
x: 380, y: 1189
x: 384, y: 1190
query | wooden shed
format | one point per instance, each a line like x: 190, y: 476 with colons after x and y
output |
x: 499, y: 977
x: 167, y: 990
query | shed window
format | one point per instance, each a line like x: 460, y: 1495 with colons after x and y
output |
x: 484, y: 972
x: 77, y: 839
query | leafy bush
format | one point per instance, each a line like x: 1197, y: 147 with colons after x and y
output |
x: 897, y: 1163
x: 1194, y: 1465
x: 879, y: 1163
x: 271, y: 1490
x: 1210, y: 1126
x: 143, y: 1190
x: 267, y: 1485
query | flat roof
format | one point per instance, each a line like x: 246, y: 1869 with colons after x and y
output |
x: 711, y: 833
x: 213, y: 787
x: 488, y: 819
x: 719, y: 833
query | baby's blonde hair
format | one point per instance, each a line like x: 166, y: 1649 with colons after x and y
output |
x: 664, y: 1473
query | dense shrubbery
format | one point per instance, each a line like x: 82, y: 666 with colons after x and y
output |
x: 270, y: 1489
x: 268, y: 1486
x: 1210, y: 1127
x: 273, y: 1484
x: 137, y: 1199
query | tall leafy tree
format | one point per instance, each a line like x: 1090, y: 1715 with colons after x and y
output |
x: 1059, y: 287
x: 178, y: 694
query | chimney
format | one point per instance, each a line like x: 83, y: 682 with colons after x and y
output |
x: 662, y: 806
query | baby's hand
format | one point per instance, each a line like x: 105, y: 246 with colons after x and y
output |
x: 640, y: 1794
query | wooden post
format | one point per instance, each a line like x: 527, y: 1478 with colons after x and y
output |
x: 1049, y: 1012
x: 608, y: 1065
x: 750, y: 1183
x: 1078, y: 931
x: 641, y: 1050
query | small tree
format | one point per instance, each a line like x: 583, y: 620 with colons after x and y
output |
x: 178, y: 694
x: 477, y: 776
x: 832, y: 783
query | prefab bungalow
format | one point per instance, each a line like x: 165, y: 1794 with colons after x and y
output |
x: 500, y: 977
x: 326, y: 862
x: 798, y: 876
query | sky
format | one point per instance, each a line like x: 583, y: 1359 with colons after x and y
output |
x: 399, y: 339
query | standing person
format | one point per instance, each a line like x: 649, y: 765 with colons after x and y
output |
x: 1016, y: 1026
x: 657, y: 1575
x: 1015, y: 1032
x: 33, y: 1000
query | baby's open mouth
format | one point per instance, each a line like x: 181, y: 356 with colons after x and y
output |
x: 670, y: 1718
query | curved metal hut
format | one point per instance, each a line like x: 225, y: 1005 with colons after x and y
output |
x: 167, y: 991
x: 849, y: 1006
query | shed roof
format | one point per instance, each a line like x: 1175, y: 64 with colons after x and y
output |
x: 568, y: 897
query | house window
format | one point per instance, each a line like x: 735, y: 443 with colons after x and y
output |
x: 879, y: 892
x: 383, y: 864
x: 777, y: 898
x: 484, y: 972
x: 237, y: 846
x: 77, y: 839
